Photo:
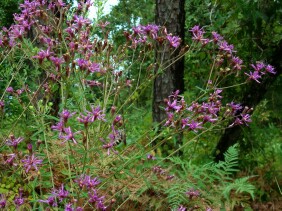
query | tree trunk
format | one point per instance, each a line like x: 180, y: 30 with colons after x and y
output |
x: 171, y: 14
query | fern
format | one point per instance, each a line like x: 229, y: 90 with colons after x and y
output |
x: 176, y: 194
x: 230, y: 164
x: 240, y: 186
x: 213, y: 179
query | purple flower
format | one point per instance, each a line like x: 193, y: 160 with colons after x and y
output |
x: 68, y: 207
x: 31, y: 161
x: 246, y: 118
x: 137, y: 30
x: 216, y: 37
x: 10, y: 158
x: 169, y: 177
x: 224, y: 46
x: 42, y: 55
x: 58, y: 127
x: 19, y: 200
x: 94, y: 68
x: 66, y: 115
x: 87, y: 181
x: 110, y: 145
x: 72, y: 46
x: 196, y: 31
x: 57, y: 61
x: 10, y: 89
x: 184, y: 122
x: 169, y: 121
x: 94, y: 198
x: 29, y: 147
x: 151, y: 157
x: 198, y: 35
x: 209, y: 118
x: 128, y: 83
x: 181, y: 208
x: 191, y: 192
x: 242, y: 119
x: 152, y: 30
x: 237, y: 63
x: 254, y: 76
x: 259, y: 66
x: 173, y: 106
x: 158, y: 170
x: 19, y: 91
x: 61, y: 193
x: 82, y: 63
x: 51, y: 201
x: 60, y: 3
x: 235, y: 107
x: 118, y: 119
x: 194, y: 107
x: 2, y: 104
x: 3, y: 201
x: 69, y: 135
x: 216, y: 95
x: 210, y: 108
x: 16, y: 31
x: 96, y: 113
x: 85, y: 119
x: 93, y: 83
x: 173, y: 40
x: 194, y: 125
x: 80, y: 21
x: 14, y: 141
x: 270, y: 69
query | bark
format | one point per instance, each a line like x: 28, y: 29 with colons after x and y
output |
x: 171, y: 14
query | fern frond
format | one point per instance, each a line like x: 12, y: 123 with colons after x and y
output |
x: 231, y: 160
x: 240, y: 186
x: 176, y: 194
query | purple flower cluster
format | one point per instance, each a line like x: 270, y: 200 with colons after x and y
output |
x: 151, y: 32
x: 193, y: 193
x: 195, y: 116
x: 198, y: 35
x: 260, y: 69
x: 19, y: 200
x: 226, y: 53
x: 3, y: 201
x: 85, y: 182
x: 81, y: 51
x: 17, y: 92
x: 64, y: 131
x: 94, y: 114
x: 58, y: 195
x: 158, y: 170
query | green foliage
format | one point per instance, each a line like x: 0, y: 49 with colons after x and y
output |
x: 7, y: 9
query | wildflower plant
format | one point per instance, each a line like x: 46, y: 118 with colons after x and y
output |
x: 78, y: 112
